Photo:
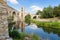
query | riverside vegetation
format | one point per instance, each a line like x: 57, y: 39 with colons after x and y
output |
x: 52, y: 24
x: 46, y: 13
x: 49, y: 12
x: 49, y: 27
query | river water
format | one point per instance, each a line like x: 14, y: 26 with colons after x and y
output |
x: 44, y: 33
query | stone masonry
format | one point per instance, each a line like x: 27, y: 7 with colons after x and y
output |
x: 3, y: 21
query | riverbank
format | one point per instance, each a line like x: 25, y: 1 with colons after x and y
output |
x: 48, y: 19
x: 24, y: 36
x: 15, y: 35
x: 50, y: 24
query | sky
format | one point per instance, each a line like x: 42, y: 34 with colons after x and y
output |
x: 31, y: 6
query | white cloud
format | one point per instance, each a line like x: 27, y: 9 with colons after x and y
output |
x: 35, y: 8
x: 13, y: 1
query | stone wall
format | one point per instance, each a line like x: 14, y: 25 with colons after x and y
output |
x: 5, y: 12
x: 3, y: 20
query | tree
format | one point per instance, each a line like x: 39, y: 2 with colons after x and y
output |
x: 28, y: 19
x: 47, y: 12
x: 56, y: 11
x: 38, y: 12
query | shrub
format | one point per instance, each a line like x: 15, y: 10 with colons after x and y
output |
x: 15, y: 34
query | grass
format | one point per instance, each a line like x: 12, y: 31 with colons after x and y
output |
x: 53, y: 24
x: 23, y: 35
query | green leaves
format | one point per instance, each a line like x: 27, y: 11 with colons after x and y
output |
x: 56, y: 11
x: 38, y: 12
x: 15, y: 34
x: 49, y: 12
x: 28, y: 19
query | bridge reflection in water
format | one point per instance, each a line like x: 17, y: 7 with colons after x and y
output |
x: 20, y: 22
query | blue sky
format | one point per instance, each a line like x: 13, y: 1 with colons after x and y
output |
x: 32, y: 5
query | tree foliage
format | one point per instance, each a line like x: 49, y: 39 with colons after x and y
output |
x: 38, y: 12
x: 15, y: 34
x: 50, y: 12
x: 28, y: 19
x: 56, y: 11
x: 47, y: 12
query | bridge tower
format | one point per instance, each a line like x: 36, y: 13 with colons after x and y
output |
x: 22, y: 11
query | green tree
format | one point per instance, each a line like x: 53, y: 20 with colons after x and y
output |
x: 47, y: 12
x: 28, y: 19
x: 56, y: 11
x: 38, y: 12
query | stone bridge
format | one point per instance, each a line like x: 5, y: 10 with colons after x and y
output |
x: 32, y: 15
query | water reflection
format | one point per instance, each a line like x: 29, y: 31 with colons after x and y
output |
x: 43, y: 32
x: 53, y: 30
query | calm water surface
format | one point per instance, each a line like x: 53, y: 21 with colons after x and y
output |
x: 44, y: 33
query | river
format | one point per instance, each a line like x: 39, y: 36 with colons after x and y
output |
x: 44, y: 33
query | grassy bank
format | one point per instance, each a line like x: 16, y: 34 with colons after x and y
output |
x: 52, y: 24
x: 29, y: 36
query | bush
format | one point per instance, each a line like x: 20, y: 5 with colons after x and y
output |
x: 23, y: 35
x: 35, y: 37
x: 10, y: 25
x: 15, y: 34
